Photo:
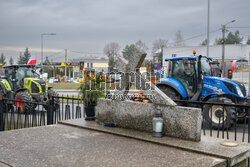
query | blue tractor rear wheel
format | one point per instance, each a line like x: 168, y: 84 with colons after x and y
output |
x: 217, y: 117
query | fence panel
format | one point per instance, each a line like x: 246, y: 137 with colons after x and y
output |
x: 14, y: 116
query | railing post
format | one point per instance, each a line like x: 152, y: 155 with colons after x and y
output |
x: 50, y: 111
x: 1, y: 115
x: 248, y: 120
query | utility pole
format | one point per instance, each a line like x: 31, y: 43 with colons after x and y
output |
x: 223, y: 50
x: 161, y: 56
x: 65, y: 64
x: 223, y: 47
x: 42, y: 51
x: 208, y: 22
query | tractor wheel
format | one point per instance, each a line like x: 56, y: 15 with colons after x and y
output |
x: 213, y: 115
x: 52, y: 93
x: 170, y: 92
x: 25, y: 97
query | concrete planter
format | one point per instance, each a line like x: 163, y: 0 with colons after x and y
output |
x: 181, y: 122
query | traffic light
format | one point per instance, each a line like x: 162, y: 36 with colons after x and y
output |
x: 230, y: 74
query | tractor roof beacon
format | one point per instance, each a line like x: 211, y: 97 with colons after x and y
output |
x: 20, y: 83
x: 191, y: 78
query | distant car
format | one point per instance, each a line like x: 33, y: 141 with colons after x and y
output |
x: 51, y: 80
x: 76, y: 80
x: 56, y: 80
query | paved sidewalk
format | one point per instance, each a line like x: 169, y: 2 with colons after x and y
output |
x: 61, y: 145
x: 208, y: 145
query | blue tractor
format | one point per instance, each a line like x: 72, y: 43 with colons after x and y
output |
x: 191, y: 78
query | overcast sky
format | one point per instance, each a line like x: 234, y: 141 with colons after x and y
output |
x: 86, y: 26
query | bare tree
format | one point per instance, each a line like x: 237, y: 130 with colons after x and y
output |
x: 179, y: 39
x: 111, y: 50
x: 141, y: 45
x: 157, y: 50
x: 159, y: 44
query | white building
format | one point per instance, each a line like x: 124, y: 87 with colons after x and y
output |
x: 232, y: 52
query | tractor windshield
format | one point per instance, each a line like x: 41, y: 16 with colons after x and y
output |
x: 183, y: 70
x: 206, y: 67
x: 25, y: 72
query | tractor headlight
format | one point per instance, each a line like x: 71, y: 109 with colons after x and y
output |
x: 239, y: 92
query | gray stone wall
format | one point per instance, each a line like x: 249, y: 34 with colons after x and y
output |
x: 180, y: 122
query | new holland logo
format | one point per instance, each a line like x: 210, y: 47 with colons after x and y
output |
x: 213, y: 88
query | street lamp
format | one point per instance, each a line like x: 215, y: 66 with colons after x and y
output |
x: 208, y: 24
x: 42, y: 45
x: 223, y: 47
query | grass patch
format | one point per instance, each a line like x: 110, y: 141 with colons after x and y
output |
x: 75, y: 86
x: 65, y: 100
x: 72, y: 86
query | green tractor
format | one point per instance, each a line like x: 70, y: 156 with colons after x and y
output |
x: 20, y: 84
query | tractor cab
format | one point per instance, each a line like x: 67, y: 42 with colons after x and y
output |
x: 16, y: 74
x: 185, y: 70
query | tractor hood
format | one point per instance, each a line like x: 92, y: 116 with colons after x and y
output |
x: 224, y: 85
x: 35, y: 86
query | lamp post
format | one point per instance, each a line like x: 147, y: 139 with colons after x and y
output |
x: 208, y: 24
x: 42, y: 45
x: 223, y: 47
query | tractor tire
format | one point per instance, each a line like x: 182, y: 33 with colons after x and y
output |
x: 214, y: 118
x: 170, y: 92
x: 52, y: 93
x: 25, y: 97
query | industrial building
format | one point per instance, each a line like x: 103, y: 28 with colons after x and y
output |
x: 232, y: 52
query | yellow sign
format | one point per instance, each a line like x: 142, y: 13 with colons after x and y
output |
x: 63, y: 64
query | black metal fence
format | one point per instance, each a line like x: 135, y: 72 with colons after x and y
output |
x: 238, y: 129
x: 13, y: 114
x: 234, y: 127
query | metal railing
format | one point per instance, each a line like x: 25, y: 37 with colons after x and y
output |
x: 239, y: 124
x: 13, y: 114
x: 239, y: 128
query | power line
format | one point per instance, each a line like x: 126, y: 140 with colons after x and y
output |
x: 245, y: 35
x: 240, y: 27
x: 86, y: 52
x: 193, y: 37
x: 196, y: 36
